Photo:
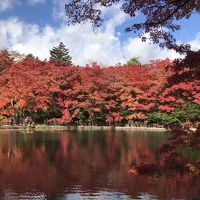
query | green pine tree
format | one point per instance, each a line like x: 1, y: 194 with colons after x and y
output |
x: 134, y: 61
x: 60, y: 53
x: 31, y: 57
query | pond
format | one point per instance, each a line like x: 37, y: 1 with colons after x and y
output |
x: 86, y: 165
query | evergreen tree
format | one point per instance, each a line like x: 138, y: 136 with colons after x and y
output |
x: 133, y: 61
x: 31, y: 57
x: 60, y: 53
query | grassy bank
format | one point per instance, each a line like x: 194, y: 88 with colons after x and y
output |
x: 57, y: 127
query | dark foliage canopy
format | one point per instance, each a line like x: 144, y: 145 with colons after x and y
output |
x: 191, y: 62
x: 160, y: 17
x: 5, y: 60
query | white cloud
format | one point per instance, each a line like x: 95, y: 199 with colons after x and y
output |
x: 134, y: 47
x: 59, y: 10
x: 195, y: 44
x: 6, y: 4
x: 9, y: 4
x: 11, y: 32
x: 34, y: 2
x: 84, y: 44
x: 104, y: 45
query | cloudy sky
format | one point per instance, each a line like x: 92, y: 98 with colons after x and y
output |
x: 35, y: 26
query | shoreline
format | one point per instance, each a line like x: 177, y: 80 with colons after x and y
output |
x: 82, y: 128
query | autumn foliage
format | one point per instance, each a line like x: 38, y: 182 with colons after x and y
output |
x: 93, y: 95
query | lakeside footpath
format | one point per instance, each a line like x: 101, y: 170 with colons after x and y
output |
x: 86, y: 128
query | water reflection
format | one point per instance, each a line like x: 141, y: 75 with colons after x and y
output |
x: 85, y: 165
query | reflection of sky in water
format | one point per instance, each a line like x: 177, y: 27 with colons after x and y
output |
x: 80, y: 195
x: 12, y: 195
x: 105, y: 195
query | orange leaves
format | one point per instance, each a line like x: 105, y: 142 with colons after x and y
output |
x: 197, y: 98
x: 168, y: 99
x: 7, y: 112
x: 136, y: 116
x: 95, y: 109
x: 21, y: 103
x: 75, y: 113
x: 110, y: 104
x: 182, y: 88
x: 165, y: 108
x: 89, y: 88
x: 113, y: 117
x: 85, y: 104
x: 143, y: 107
x: 32, y: 79
x: 110, y: 94
x: 66, y: 116
x: 125, y: 96
x: 68, y: 102
x: 3, y: 101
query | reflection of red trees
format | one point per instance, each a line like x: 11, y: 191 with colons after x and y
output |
x: 171, y: 162
x: 56, y: 163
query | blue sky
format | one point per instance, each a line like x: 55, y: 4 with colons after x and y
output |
x: 35, y: 26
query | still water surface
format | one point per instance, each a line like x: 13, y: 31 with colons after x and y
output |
x: 85, y: 165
